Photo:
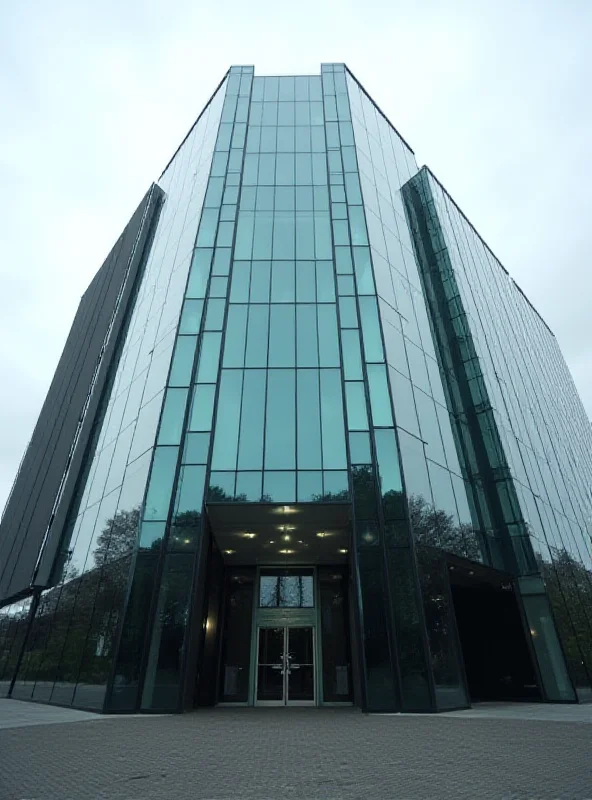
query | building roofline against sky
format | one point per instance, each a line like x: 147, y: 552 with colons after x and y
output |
x: 425, y: 167
x: 379, y: 109
x: 484, y: 243
x: 203, y: 111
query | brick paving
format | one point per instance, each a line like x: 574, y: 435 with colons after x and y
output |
x: 266, y: 754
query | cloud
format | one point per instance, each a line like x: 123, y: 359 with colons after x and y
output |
x: 493, y: 96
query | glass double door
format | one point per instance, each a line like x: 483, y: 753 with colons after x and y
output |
x: 285, y: 666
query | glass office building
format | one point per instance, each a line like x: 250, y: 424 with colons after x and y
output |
x: 307, y: 444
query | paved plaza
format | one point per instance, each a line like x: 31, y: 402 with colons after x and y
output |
x: 512, y: 752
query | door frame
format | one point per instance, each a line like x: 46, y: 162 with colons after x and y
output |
x: 285, y: 618
x: 286, y: 702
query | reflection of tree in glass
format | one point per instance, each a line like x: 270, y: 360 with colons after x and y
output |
x: 331, y: 497
x: 216, y: 494
x: 285, y: 591
x: 569, y: 587
x: 118, y: 537
x: 435, y: 528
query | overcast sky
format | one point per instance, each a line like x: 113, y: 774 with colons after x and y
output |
x: 96, y: 96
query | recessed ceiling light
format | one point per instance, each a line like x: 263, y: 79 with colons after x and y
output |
x: 287, y: 552
x: 187, y: 541
x: 287, y: 527
x: 323, y: 534
x: 248, y: 535
x: 288, y: 510
x: 229, y: 552
x: 300, y: 541
x: 286, y: 537
x: 271, y: 541
x: 342, y: 550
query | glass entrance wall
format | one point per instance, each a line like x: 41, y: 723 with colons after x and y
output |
x: 285, y: 637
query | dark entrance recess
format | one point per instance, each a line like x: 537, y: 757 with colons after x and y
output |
x: 497, y: 658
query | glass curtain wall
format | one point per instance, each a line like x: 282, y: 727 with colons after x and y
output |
x: 174, y: 539
x: 518, y: 408
x: 279, y: 430
x: 69, y: 651
x: 437, y: 503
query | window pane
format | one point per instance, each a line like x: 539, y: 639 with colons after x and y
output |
x: 227, y: 420
x: 306, y: 336
x: 262, y: 237
x: 199, y: 274
x: 173, y: 415
x: 250, y: 454
x: 191, y: 316
x: 328, y: 337
x: 304, y: 198
x: 221, y: 264
x: 335, y: 485
x: 343, y: 261
x: 379, y: 396
x: 257, y: 335
x: 221, y: 488
x: 244, y: 234
x: 190, y: 493
x: 286, y: 591
x: 282, y: 338
x: 358, y: 225
x: 363, y: 265
x: 348, y: 313
x: 202, y: 409
x: 305, y: 282
x: 304, y: 235
x: 310, y: 486
x: 241, y: 274
x: 215, y: 314
x: 325, y: 282
x: 355, y: 400
x: 234, y: 344
x: 352, y: 356
x: 279, y: 487
x: 183, y: 361
x: 260, y: 281
x: 332, y: 424
x: 373, y: 350
x: 280, y: 434
x: 209, y: 358
x: 162, y: 476
x: 322, y: 229
x: 283, y: 235
x: 196, y: 448
x: 387, y: 455
x: 282, y: 280
x: 309, y: 420
x: 248, y: 486
x: 359, y: 448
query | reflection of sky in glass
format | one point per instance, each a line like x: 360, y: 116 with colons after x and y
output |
x: 286, y: 591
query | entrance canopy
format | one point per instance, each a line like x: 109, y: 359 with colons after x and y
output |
x: 265, y: 533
